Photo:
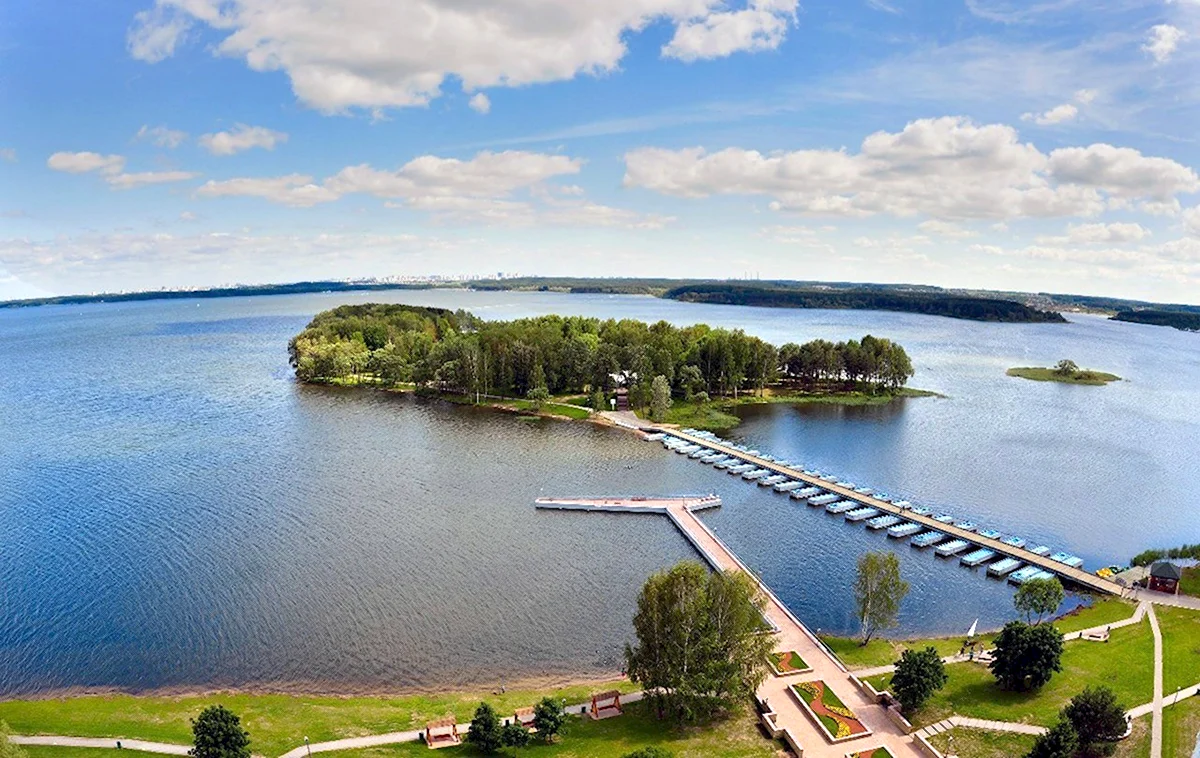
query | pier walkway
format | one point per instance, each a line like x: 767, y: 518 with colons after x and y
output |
x: 1075, y: 575
x: 791, y: 635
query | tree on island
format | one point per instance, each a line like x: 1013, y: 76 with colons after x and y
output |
x: 9, y: 749
x: 919, y: 674
x: 1039, y: 598
x: 548, y: 718
x: 700, y: 648
x: 1066, y: 367
x: 217, y: 733
x: 660, y: 398
x: 1098, y: 720
x: 1060, y: 742
x: 878, y: 593
x: 1026, y: 657
x: 485, y: 733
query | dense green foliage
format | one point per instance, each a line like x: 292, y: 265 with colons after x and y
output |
x: 650, y: 752
x: 1060, y: 742
x: 932, y: 304
x: 456, y: 352
x: 1098, y: 720
x: 513, y: 734
x: 1037, y: 599
x: 878, y: 592
x: 548, y: 718
x: 217, y: 733
x: 486, y: 733
x: 1187, y: 321
x: 1026, y: 657
x: 1184, y: 552
x: 9, y: 749
x: 700, y: 647
x: 919, y: 674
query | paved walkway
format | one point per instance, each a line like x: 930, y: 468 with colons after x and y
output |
x: 1162, y: 598
x: 102, y: 742
x: 793, y: 636
x: 1156, y: 726
x: 955, y: 722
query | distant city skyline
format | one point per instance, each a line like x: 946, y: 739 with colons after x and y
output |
x: 983, y: 144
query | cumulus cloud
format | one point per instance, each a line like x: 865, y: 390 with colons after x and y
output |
x: 1191, y: 221
x: 1096, y: 234
x: 480, y: 103
x: 86, y: 162
x: 161, y: 136
x: 363, y: 53
x: 297, y: 190
x: 1163, y: 41
x: 945, y: 229
x: 1056, y: 115
x: 144, y: 178
x: 946, y: 168
x: 241, y: 137
x: 762, y: 25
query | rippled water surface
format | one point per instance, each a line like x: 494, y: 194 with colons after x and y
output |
x: 176, y: 512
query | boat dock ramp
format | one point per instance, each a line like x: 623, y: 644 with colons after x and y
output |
x: 1003, y: 556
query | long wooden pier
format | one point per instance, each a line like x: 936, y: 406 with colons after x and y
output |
x: 782, y: 713
x: 1075, y: 575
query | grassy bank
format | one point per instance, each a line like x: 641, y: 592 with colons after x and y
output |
x: 1125, y: 664
x: 1190, y: 584
x: 277, y: 723
x: 977, y: 743
x: 1051, y: 375
x: 737, y: 737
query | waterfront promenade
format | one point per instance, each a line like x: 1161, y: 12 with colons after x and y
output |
x: 790, y: 719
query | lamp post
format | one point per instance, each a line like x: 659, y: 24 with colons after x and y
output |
x: 308, y: 747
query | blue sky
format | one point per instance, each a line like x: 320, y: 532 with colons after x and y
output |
x: 1040, y: 145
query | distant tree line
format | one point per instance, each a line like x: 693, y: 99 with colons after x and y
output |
x: 455, y: 351
x: 1184, y: 552
x: 1187, y: 321
x: 928, y: 303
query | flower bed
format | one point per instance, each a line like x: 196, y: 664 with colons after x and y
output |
x: 828, y: 711
x: 879, y: 752
x: 788, y: 662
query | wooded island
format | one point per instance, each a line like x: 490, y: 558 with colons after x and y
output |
x: 539, y: 358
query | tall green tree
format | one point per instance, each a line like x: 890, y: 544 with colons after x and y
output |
x: 548, y: 718
x: 1098, y: 719
x: 700, y: 647
x: 919, y: 674
x: 485, y: 733
x: 660, y: 398
x: 1037, y: 599
x: 217, y: 733
x: 878, y: 593
x: 1026, y: 657
x: 9, y: 749
x: 1060, y: 742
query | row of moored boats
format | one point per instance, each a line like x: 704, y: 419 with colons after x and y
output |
x: 898, y: 527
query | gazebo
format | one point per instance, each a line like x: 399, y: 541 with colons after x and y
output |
x: 606, y: 705
x: 1164, y: 577
x: 524, y: 717
x: 442, y: 733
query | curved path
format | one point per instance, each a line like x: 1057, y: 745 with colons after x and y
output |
x: 54, y: 740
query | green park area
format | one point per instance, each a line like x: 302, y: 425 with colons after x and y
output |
x: 978, y: 743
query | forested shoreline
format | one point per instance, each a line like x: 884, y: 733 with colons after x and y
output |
x: 1185, y: 321
x: 930, y: 304
x: 454, y: 351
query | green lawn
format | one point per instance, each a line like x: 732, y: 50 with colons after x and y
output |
x: 788, y: 661
x: 977, y: 743
x: 554, y: 408
x: 1181, y: 647
x: 277, y: 723
x: 1191, y: 582
x: 883, y: 652
x: 46, y: 751
x: 739, y: 737
x: 1125, y: 664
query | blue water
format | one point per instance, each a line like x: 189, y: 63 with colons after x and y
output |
x: 176, y: 512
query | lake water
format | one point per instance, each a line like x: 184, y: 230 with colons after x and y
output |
x: 175, y: 512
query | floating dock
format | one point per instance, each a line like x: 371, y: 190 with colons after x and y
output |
x: 884, y: 522
x: 840, y: 507
x: 904, y: 530
x: 1004, y: 567
x: 832, y: 489
x: 861, y: 514
x: 927, y: 539
x: 953, y: 547
x: 977, y: 557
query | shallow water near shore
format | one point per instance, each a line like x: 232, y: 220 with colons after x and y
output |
x: 176, y: 512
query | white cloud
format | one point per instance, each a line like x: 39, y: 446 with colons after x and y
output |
x: 241, y: 137
x: 187, y: 216
x: 144, y: 178
x: 371, y: 54
x: 1056, y: 115
x: 161, y: 136
x: 297, y: 190
x: 85, y: 162
x: 8, y: 154
x: 1096, y: 234
x: 480, y: 103
x: 762, y: 25
x: 945, y: 229
x: 1086, y: 96
x: 1191, y: 221
x: 1162, y: 42
x: 946, y: 168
